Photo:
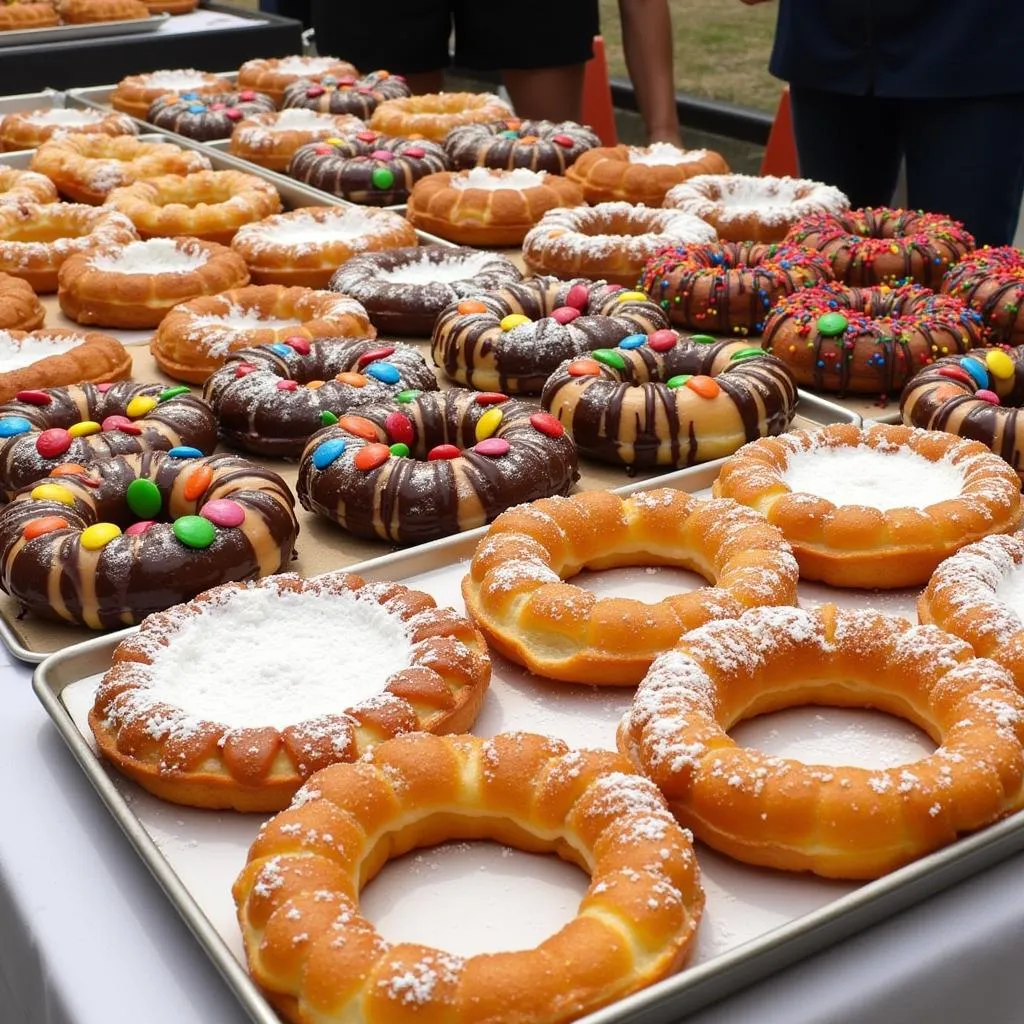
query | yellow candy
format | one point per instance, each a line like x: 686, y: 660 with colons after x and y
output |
x: 513, y: 320
x: 488, y: 423
x: 84, y: 429
x: 53, y: 492
x: 1000, y: 364
x: 632, y: 297
x: 140, y: 406
x: 333, y: 141
x: 99, y: 535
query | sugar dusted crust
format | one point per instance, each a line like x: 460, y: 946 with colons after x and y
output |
x: 17, y: 187
x: 196, y: 761
x: 20, y: 308
x: 270, y: 140
x: 273, y: 75
x: 29, y: 129
x: 135, y: 94
x: 298, y: 897
x: 433, y: 115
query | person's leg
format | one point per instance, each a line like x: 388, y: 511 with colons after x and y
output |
x: 546, y: 94
x: 833, y: 146
x: 965, y: 158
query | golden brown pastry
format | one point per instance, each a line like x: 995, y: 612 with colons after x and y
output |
x: 135, y: 94
x: 20, y: 308
x: 80, y: 12
x: 434, y: 115
x: 31, y: 128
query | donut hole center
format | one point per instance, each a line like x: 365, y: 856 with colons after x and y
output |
x: 630, y: 225
x: 647, y: 583
x: 45, y: 232
x: 186, y: 194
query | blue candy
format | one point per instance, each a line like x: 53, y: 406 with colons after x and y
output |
x: 384, y: 372
x: 328, y: 452
x: 633, y: 341
x: 977, y: 370
x: 12, y: 426
x: 185, y: 452
x: 281, y: 350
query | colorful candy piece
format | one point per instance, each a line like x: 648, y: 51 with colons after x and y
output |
x: 198, y: 481
x: 168, y: 393
x: 115, y: 422
x: 223, y: 512
x: 490, y: 398
x: 1000, y: 365
x: 443, y: 452
x: 328, y: 452
x: 194, y: 531
x: 831, y: 325
x: 415, y: 152
x: 584, y: 368
x: 287, y: 385
x: 280, y: 349
x: 184, y: 451
x: 144, y: 498
x: 52, y: 492
x: 407, y: 396
x: 702, y: 339
x: 85, y: 428
x: 399, y: 449
x: 547, y: 424
x: 610, y: 358
x: 632, y: 341
x: 68, y: 469
x: 371, y: 456
x: 512, y: 321
x: 315, y: 385
x: 467, y: 307
x: 360, y: 426
x: 327, y: 418
x: 105, y: 387
x: 977, y: 371
x: 99, y: 535
x: 34, y: 397
x: 578, y: 297
x: 382, y: 177
x: 43, y: 525
x: 955, y: 373
x: 299, y: 343
x: 678, y: 381
x: 565, y: 314
x: 742, y: 354
x: 663, y: 340
x: 386, y: 373
x: 493, y: 447
x: 375, y: 354
x: 353, y: 380
x: 139, y: 406
x: 12, y: 426
x: 244, y: 369
x: 129, y: 428
x: 399, y: 427
x: 631, y: 297
x: 53, y: 442
x: 139, y: 528
x: 987, y: 396
x: 706, y: 387
x: 488, y: 423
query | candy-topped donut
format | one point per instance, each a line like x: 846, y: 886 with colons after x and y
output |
x: 41, y: 430
x: 367, y: 167
x: 269, y: 399
x: 537, y: 145
x: 991, y: 281
x: 433, y: 464
x: 273, y: 75
x: 978, y: 395
x: 271, y: 140
x: 876, y: 245
x: 867, y: 340
x: 207, y: 116
x: 135, y: 94
x: 346, y: 94
x: 513, y: 338
x: 729, y: 287
x: 666, y: 401
x: 106, y: 544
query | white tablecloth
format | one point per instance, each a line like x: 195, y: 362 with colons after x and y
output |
x: 87, y: 937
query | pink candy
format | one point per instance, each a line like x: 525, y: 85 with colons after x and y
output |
x: 663, y: 340
x: 223, y: 512
x: 578, y: 297
x: 399, y: 428
x: 987, y: 396
x: 492, y: 446
x: 115, y: 422
x: 138, y: 529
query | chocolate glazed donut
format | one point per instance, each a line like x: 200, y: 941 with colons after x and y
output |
x: 536, y: 145
x: 223, y: 519
x: 208, y: 116
x: 433, y: 466
x: 347, y: 95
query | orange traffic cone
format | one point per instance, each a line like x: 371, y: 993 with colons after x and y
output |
x: 598, y: 111
x: 780, y: 154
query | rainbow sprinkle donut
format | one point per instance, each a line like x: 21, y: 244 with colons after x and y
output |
x: 876, y: 245
x: 867, y: 340
x: 992, y: 282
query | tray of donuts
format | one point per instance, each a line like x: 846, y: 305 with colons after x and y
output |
x: 760, y: 703
x: 49, y: 21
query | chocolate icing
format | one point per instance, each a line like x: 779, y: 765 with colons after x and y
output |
x: 514, y: 143
x: 220, y: 113
x: 349, y: 95
x: 991, y: 281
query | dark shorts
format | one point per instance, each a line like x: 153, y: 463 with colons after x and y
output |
x: 409, y: 36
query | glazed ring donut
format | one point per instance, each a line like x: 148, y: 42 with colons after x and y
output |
x: 135, y: 94
x: 729, y: 287
x: 207, y: 116
x: 87, y: 168
x: 440, y: 463
x: 21, y: 16
x: 270, y: 140
x: 536, y: 145
x: 271, y: 398
x: 883, y: 246
x: 41, y: 430
x: 516, y: 592
x: 134, y: 286
x: 609, y: 242
x: 92, y: 546
x: 18, y: 187
x: 36, y: 240
x: 867, y: 340
x: 20, y: 308
x: 196, y: 337
x: 434, y: 115
x: 978, y: 395
x: 991, y: 282
x: 359, y: 97
x: 31, y: 128
x: 171, y: 6
x: 404, y: 290
x: 274, y: 75
x: 305, y: 247
x: 514, y: 338
x: 640, y: 174
x: 673, y: 402
x: 298, y: 898
x: 420, y: 667
x: 745, y: 208
x: 54, y: 357
x: 81, y: 12
x: 878, y: 507
x: 210, y: 205
x: 843, y: 822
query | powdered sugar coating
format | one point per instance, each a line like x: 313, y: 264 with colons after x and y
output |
x: 301, y: 230
x: 16, y: 354
x: 153, y: 256
x: 491, y: 180
x: 64, y: 116
x: 177, y: 80
x: 663, y: 153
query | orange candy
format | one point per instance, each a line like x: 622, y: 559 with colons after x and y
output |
x: 198, y: 480
x: 43, y: 525
x: 68, y: 469
x: 468, y: 306
x: 706, y: 387
x: 360, y: 426
x: 356, y: 380
x: 315, y: 385
x: 584, y: 368
x: 372, y: 456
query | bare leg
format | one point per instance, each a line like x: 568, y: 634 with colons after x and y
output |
x: 425, y: 81
x: 550, y: 94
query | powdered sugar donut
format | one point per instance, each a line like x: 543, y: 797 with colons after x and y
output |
x: 743, y: 207
x: 270, y: 140
x: 135, y: 93
x: 17, y: 187
x: 30, y: 129
x: 609, y: 242
x: 273, y: 75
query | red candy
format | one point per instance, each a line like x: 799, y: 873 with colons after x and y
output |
x: 139, y: 528
x: 491, y: 398
x: 372, y: 456
x: 323, y: 150
x: 547, y: 424
x: 34, y: 397
x: 217, y: 106
x: 578, y: 297
x: 315, y: 90
x: 492, y: 446
x: 287, y: 385
x: 366, y: 136
x: 416, y: 152
x: 399, y: 428
x: 443, y: 451
x: 663, y: 340
x: 348, y: 80
x: 247, y: 96
x: 104, y: 388
x: 562, y: 140
x: 44, y: 525
x: 376, y: 353
x: 955, y: 373
x: 299, y: 343
x: 116, y: 422
x: 614, y: 288
x: 234, y: 114
x: 129, y: 428
x: 53, y: 442
x: 242, y: 369
x: 565, y: 314
x: 584, y: 368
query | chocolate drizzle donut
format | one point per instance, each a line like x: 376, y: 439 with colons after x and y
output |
x: 978, y: 396
x: 347, y: 94
x: 208, y: 116
x: 665, y: 401
x: 512, y: 339
x: 108, y: 544
x: 537, y: 145
x: 367, y: 167
x: 270, y: 398
x: 434, y: 464
x: 404, y: 290
x: 991, y: 281
x: 43, y: 429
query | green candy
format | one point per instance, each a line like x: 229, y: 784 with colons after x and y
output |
x: 746, y: 353
x: 194, y: 531
x: 678, y: 380
x: 703, y: 339
x: 327, y: 418
x: 831, y: 324
x: 408, y: 396
x: 609, y: 358
x: 170, y: 393
x: 401, y: 450
x: 382, y: 177
x: 144, y: 499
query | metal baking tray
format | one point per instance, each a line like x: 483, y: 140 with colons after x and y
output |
x: 756, y: 922
x: 91, y: 30
x: 47, y: 99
